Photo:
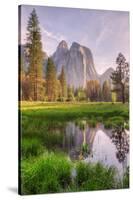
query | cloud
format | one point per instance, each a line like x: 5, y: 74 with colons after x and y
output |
x: 50, y: 40
x: 57, y: 37
x: 105, y: 32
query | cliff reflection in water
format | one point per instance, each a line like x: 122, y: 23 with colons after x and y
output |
x: 111, y: 147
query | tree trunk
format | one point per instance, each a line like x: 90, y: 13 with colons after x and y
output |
x: 123, y: 93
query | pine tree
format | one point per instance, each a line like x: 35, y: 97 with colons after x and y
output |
x: 70, y: 93
x: 59, y: 90
x: 22, y: 76
x: 106, y: 91
x: 35, y: 57
x: 120, y: 76
x: 93, y: 90
x: 80, y: 94
x: 51, y: 81
x: 62, y: 79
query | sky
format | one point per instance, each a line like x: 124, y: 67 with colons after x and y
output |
x: 105, y: 33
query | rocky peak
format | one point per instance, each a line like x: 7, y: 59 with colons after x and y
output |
x: 75, y: 45
x: 62, y: 45
x: 78, y: 64
x: 106, y: 75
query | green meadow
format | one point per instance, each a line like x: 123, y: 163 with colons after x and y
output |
x: 113, y: 113
x: 44, y: 167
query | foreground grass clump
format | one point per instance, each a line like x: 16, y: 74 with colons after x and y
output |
x: 31, y: 147
x: 126, y: 179
x: 52, y: 172
x: 95, y: 177
x: 46, y: 174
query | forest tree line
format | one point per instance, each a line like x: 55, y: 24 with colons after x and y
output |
x: 35, y: 86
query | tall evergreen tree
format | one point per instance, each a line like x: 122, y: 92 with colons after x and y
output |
x: 80, y: 94
x: 93, y: 90
x: 62, y: 79
x: 106, y: 91
x: 35, y: 57
x: 22, y: 76
x: 51, y: 81
x: 70, y: 93
x: 120, y: 77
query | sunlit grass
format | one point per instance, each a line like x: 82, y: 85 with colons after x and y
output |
x: 47, y: 105
x: 72, y: 111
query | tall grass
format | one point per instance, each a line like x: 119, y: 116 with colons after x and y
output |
x: 95, y: 177
x: 31, y: 147
x: 47, y: 174
x: 126, y: 179
x: 52, y: 173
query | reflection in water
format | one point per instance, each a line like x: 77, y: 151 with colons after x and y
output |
x: 121, y: 140
x: 81, y: 142
x: 97, y: 144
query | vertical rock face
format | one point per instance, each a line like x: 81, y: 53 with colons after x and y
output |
x: 106, y: 76
x: 60, y: 56
x: 78, y: 63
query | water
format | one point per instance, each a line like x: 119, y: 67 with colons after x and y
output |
x: 110, y: 147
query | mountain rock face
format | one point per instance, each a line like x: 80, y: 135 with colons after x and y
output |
x: 106, y: 75
x: 78, y: 63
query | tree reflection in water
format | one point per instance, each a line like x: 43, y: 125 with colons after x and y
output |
x: 121, y: 140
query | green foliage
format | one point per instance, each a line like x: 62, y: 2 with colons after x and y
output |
x: 53, y: 173
x: 120, y: 77
x: 51, y: 140
x: 62, y: 79
x: 114, y: 97
x: 70, y: 93
x: 80, y: 94
x: 82, y: 124
x: 61, y: 112
x: 35, y: 57
x: 94, y: 177
x: 92, y: 122
x: 48, y: 173
x: 43, y: 168
x: 85, y: 148
x: 106, y: 91
x: 93, y: 90
x: 114, y: 122
x: 83, y: 173
x: 51, y: 81
x: 31, y: 147
x: 126, y: 179
x: 126, y: 125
